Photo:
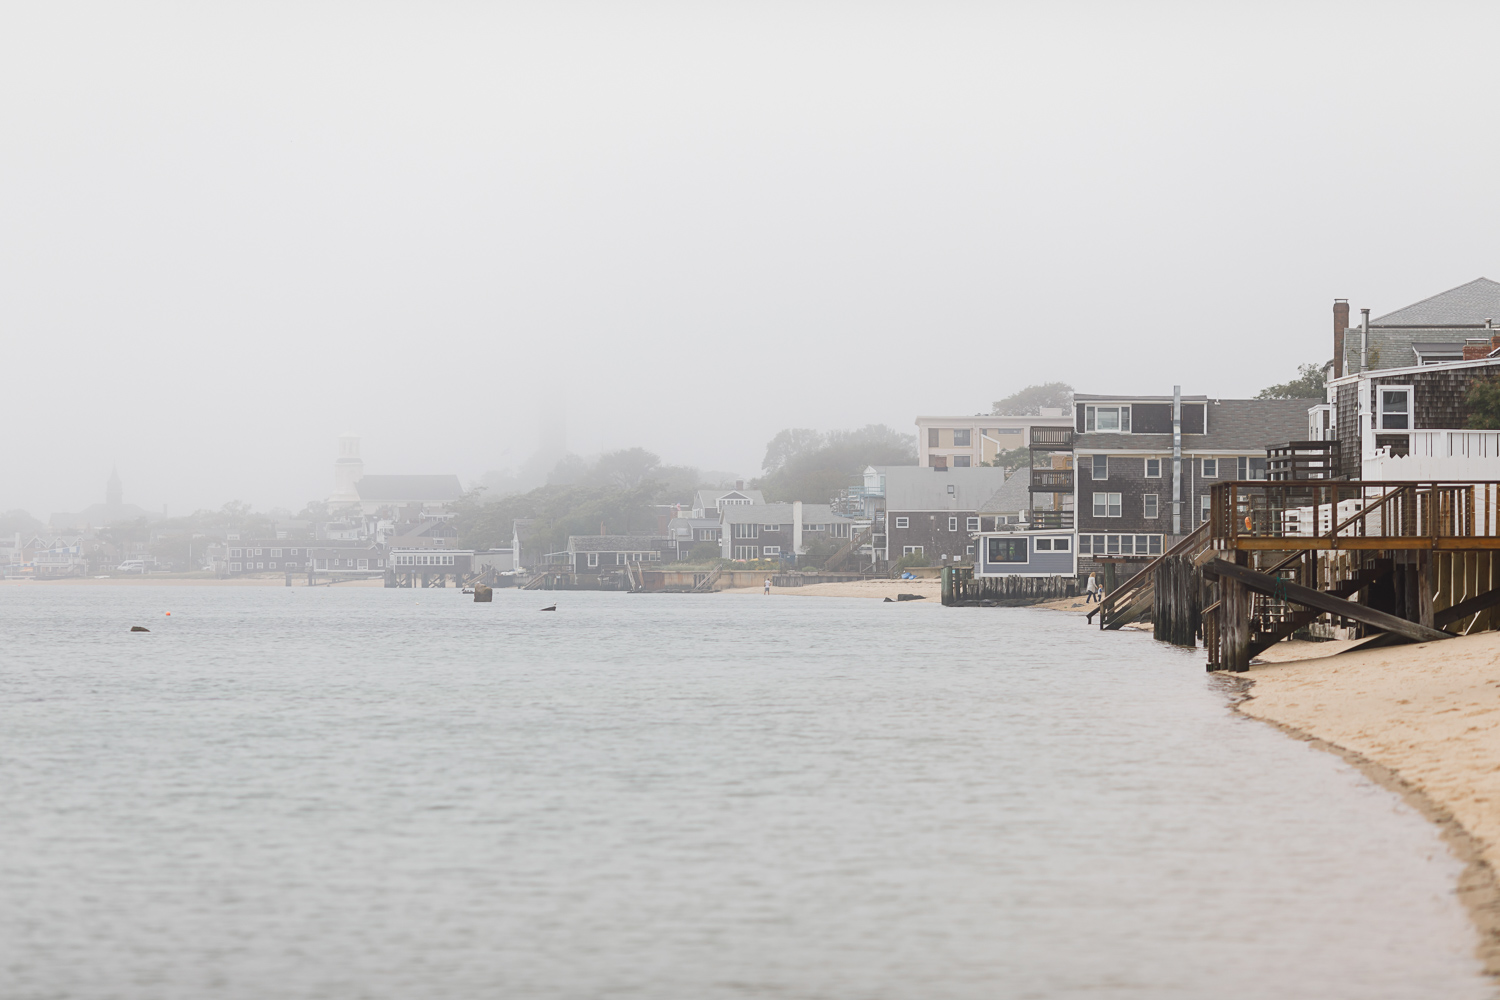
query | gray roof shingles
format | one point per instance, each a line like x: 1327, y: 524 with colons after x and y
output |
x: 1468, y: 305
x: 1233, y: 425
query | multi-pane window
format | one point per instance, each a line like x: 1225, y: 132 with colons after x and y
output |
x: 747, y: 531
x: 1149, y: 504
x: 1063, y: 544
x: 1395, y: 409
x: 746, y: 552
x: 968, y: 550
x: 1246, y: 467
x: 1203, y: 502
x: 902, y: 522
x: 1106, y: 505
x: 772, y: 527
x: 973, y: 523
x: 1106, y: 418
x: 932, y: 437
x: 771, y: 550
x: 1101, y: 467
x: 1120, y: 545
x: 960, y: 461
x: 952, y: 524
x: 1210, y: 468
x: 961, y: 439
x: 1007, y: 550
x: 593, y: 559
x: 911, y: 550
x: 1153, y: 468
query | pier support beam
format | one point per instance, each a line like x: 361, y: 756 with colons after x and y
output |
x: 1424, y: 588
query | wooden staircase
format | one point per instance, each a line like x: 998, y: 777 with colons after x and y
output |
x: 707, y: 586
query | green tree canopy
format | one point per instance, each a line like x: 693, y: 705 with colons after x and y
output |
x: 1484, y: 404
x: 813, y: 466
x: 1029, y: 401
x: 13, y: 521
x: 1307, y: 385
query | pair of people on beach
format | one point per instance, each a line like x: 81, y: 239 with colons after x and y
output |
x: 1093, y: 591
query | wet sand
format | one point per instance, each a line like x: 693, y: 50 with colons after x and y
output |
x: 1423, y: 720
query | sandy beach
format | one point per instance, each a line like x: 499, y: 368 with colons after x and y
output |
x: 1423, y: 720
x: 931, y: 590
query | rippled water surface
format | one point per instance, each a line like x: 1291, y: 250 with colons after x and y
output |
x: 388, y: 793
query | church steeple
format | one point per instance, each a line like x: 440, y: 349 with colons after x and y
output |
x: 114, y: 493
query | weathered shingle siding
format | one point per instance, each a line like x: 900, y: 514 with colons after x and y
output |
x: 1346, y: 403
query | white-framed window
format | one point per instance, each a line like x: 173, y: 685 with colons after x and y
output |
x: 1203, y: 501
x: 746, y: 552
x: 771, y: 550
x: 968, y: 550
x: 234, y: 567
x: 235, y: 553
x: 363, y: 564
x: 1043, y: 544
x: 276, y: 553
x: 962, y: 438
x: 1248, y: 467
x: 1153, y: 468
x: 1210, y: 468
x: 260, y: 565
x: 1149, y: 503
x: 1116, y: 545
x: 952, y: 524
x: 1106, y: 505
x: 839, y: 529
x: 771, y: 527
x: 973, y: 523
x: 747, y: 531
x: 911, y: 550
x: 902, y: 522
x: 260, y: 552
x: 593, y: 559
x: 291, y: 552
x: 1107, y: 418
x: 961, y: 461
x: 1100, y: 468
x: 1007, y: 550
x: 1395, y: 407
x: 270, y: 565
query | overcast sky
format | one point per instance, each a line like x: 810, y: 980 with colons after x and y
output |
x: 229, y: 233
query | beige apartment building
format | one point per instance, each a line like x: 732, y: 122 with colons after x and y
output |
x: 967, y: 442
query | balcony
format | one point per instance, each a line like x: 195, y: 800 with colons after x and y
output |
x: 1052, y: 438
x: 1048, y: 520
x: 1052, y: 480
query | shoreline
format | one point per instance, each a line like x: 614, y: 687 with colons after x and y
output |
x: 1402, y: 716
x: 877, y: 589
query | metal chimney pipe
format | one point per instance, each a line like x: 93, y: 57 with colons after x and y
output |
x: 1177, y: 460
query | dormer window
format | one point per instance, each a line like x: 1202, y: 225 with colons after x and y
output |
x: 1110, y: 419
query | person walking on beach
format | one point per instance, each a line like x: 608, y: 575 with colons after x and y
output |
x: 768, y: 586
x: 1093, y: 590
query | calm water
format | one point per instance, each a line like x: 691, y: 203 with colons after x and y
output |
x: 382, y: 793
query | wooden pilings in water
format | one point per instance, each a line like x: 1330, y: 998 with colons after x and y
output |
x: 1177, y: 606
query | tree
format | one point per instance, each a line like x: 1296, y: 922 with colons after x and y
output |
x: 1307, y: 385
x: 813, y: 466
x: 1483, y: 401
x: 13, y: 521
x: 1030, y: 400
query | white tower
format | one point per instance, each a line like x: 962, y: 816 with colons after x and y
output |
x: 347, y: 471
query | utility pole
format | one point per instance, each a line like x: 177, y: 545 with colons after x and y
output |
x: 1177, y: 460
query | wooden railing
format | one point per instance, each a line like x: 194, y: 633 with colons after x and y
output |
x: 1132, y: 591
x: 1051, y: 481
x: 1323, y: 514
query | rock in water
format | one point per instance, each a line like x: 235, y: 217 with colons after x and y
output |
x: 889, y: 601
x: 911, y: 597
x: 483, y: 594
x: 137, y: 628
x: 550, y: 607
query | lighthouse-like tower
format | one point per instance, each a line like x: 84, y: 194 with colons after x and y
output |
x: 347, y: 470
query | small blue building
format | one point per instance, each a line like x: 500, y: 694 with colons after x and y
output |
x: 1026, y: 553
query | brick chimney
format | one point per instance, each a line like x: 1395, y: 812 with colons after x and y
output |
x: 1340, y: 324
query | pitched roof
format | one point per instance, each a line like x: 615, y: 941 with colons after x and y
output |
x: 409, y: 489
x: 1233, y: 425
x: 1014, y: 496
x: 919, y: 487
x: 616, y: 543
x: 708, y: 499
x: 780, y: 513
x: 1468, y: 305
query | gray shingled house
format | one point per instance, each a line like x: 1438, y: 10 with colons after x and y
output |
x: 1431, y: 331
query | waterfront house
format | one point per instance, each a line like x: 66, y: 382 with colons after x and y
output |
x: 969, y: 442
x: 1026, y: 552
x: 411, y: 567
x: 266, y: 555
x: 1411, y: 423
x: 778, y: 530
x: 688, y: 532
x: 1124, y: 470
x: 603, y: 555
x: 430, y: 493
x: 933, y: 511
x: 709, y: 504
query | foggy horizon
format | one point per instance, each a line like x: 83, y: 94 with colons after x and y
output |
x: 229, y: 235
